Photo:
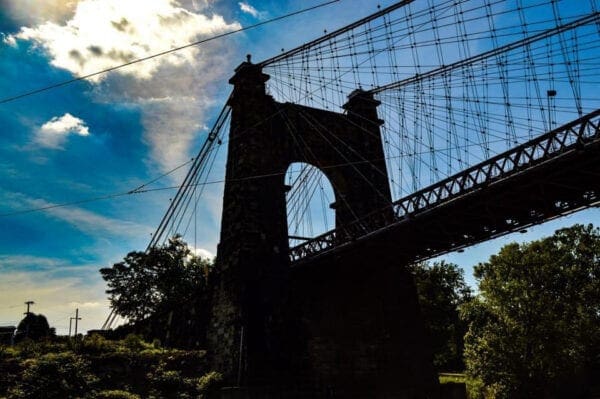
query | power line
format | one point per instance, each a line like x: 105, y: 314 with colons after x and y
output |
x: 138, y: 60
x: 65, y: 204
x: 103, y: 197
x: 206, y: 183
x: 161, y: 176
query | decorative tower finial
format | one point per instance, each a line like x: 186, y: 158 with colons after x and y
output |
x: 249, y: 58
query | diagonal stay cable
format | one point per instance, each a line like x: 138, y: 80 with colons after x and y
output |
x: 338, y: 32
x: 491, y: 53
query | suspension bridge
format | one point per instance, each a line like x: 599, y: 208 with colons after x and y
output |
x: 426, y: 127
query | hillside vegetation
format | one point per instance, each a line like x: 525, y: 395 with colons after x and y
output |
x: 95, y: 368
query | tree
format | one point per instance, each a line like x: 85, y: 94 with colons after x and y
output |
x: 442, y: 290
x: 164, y: 288
x: 35, y: 327
x: 535, y: 325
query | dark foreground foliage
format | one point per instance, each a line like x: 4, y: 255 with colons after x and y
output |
x: 163, y: 293
x: 442, y: 290
x: 96, y: 368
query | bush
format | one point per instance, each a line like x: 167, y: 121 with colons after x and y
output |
x: 97, y: 344
x: 167, y: 382
x: 135, y: 343
x: 209, y: 383
x: 62, y: 375
x: 116, y: 394
x: 97, y: 368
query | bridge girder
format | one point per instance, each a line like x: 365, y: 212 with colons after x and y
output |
x: 550, y: 176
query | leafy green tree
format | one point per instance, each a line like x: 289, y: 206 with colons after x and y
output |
x: 165, y: 286
x: 535, y: 326
x: 442, y: 290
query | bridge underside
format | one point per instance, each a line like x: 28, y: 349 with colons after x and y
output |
x: 530, y: 197
x: 348, y: 300
x: 358, y: 327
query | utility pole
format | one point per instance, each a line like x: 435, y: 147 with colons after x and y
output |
x: 77, y: 318
x: 28, y: 303
x: 70, y: 322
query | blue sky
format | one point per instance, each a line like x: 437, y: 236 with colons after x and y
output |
x: 119, y: 130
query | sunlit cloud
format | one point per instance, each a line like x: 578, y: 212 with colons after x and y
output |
x: 201, y: 252
x: 80, y: 305
x: 53, y: 133
x: 8, y: 40
x: 39, y: 11
x: 105, y: 33
x: 174, y: 92
x: 249, y: 9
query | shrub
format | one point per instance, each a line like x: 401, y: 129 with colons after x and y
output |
x: 135, y: 343
x: 116, y: 394
x: 209, y: 383
x: 97, y: 344
x: 167, y: 381
x: 62, y: 375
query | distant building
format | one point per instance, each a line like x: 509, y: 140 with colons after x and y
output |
x: 7, y: 335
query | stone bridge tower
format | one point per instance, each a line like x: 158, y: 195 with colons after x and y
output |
x: 264, y: 330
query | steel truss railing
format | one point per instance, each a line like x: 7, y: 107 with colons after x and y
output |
x: 552, y: 145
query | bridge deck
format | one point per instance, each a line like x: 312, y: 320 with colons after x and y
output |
x: 547, y: 177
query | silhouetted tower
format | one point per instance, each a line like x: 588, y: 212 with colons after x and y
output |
x: 247, y: 333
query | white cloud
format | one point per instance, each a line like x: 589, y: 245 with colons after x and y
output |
x: 9, y: 40
x: 80, y: 305
x: 249, y: 9
x: 197, y: 5
x: 38, y: 11
x: 18, y: 261
x: 173, y: 91
x: 201, y: 252
x: 53, y: 133
x: 83, y: 220
x: 105, y: 33
x: 90, y: 222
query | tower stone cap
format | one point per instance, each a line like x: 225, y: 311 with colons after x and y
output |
x: 360, y: 96
x: 248, y: 71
